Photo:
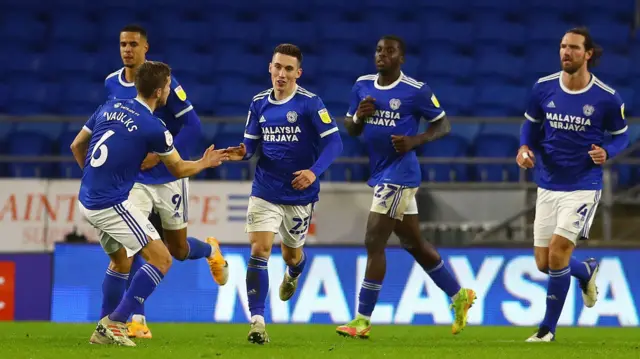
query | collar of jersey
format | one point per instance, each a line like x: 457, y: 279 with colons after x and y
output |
x: 122, y: 81
x: 144, y: 104
x: 284, y: 100
x: 585, y: 89
x: 391, y: 85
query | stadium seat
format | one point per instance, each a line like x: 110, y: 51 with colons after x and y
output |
x: 232, y: 31
x: 50, y: 129
x: 245, y: 66
x: 443, y: 31
x: 29, y: 144
x: 23, y: 26
x: 67, y: 169
x: 500, y: 66
x: 495, y: 146
x: 349, y: 172
x: 75, y: 28
x: 456, y: 100
x: 450, y: 146
x: 299, y: 33
x: 495, y: 30
x: 203, y: 98
x: 446, y: 64
x: 613, y: 68
x: 93, y: 95
x: 504, y: 100
x: 234, y: 100
x: 466, y: 130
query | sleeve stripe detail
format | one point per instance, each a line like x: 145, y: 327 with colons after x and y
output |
x: 87, y: 129
x: 251, y: 137
x: 441, y: 115
x: 166, y: 153
x: 184, y: 111
x: 328, y: 132
x: 621, y: 131
x: 526, y: 115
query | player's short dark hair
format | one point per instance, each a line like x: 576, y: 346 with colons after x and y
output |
x: 589, y: 44
x: 397, y: 39
x: 151, y: 75
x: 289, y: 50
x: 135, y: 28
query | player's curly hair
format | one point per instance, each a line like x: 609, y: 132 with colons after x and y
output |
x: 151, y: 75
x: 289, y: 50
x: 589, y: 44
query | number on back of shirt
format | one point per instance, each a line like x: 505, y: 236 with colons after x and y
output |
x: 104, y: 150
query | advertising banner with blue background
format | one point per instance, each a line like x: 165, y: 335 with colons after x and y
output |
x: 511, y: 291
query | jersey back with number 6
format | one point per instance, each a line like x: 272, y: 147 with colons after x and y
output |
x: 122, y: 133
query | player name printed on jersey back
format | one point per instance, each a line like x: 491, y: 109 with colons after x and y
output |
x: 290, y: 131
x: 122, y: 133
x: 399, y: 108
x: 172, y: 114
x: 573, y: 121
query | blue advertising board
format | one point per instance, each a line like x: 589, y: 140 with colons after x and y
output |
x: 511, y: 291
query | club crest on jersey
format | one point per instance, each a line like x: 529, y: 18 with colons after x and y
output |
x: 292, y: 116
x: 180, y: 93
x: 394, y: 103
x: 588, y: 110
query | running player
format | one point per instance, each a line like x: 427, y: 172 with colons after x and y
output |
x: 567, y: 116
x: 110, y: 148
x: 156, y: 189
x: 299, y: 141
x: 387, y: 108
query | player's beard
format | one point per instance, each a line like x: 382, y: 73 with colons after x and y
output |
x: 574, y: 67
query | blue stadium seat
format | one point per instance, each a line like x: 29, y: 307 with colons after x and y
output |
x: 29, y: 98
x: 235, y: 31
x: 509, y: 129
x: 234, y: 100
x: 182, y: 62
x: 60, y: 65
x: 299, y: 33
x: 230, y: 171
x: 185, y: 31
x: 340, y: 172
x: 613, y: 68
x: 444, y: 64
x: 609, y: 32
x: 93, y: 95
x: 29, y: 144
x: 348, y: 33
x: 244, y: 66
x: 628, y: 95
x: 23, y: 27
x: 203, y: 98
x: 211, y: 129
x: 336, y: 95
x: 347, y: 65
x: 67, y: 169
x: 504, y: 100
x: 568, y: 6
x: 494, y: 30
x: 466, y: 130
x: 73, y: 28
x: 49, y: 129
x: 452, y: 32
x: 456, y: 100
x: 496, y: 6
x: 4, y: 98
x: 336, y: 5
x: 500, y: 66
x: 448, y: 146
x: 495, y: 146
x: 110, y: 24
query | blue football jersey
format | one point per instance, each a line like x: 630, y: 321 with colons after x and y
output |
x: 290, y: 131
x: 399, y: 108
x: 177, y: 105
x: 122, y: 133
x: 572, y: 122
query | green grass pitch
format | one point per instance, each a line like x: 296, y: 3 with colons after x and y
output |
x: 198, y: 341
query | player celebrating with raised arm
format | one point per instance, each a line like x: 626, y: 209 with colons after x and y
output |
x: 567, y: 116
x: 299, y: 141
x: 110, y: 149
x: 156, y: 188
x: 386, y: 108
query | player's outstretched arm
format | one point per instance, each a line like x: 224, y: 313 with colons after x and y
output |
x: 181, y: 168
x: 80, y: 146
